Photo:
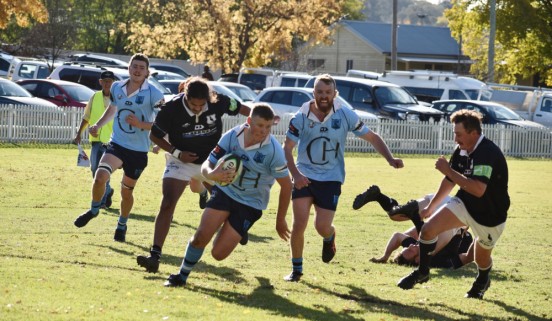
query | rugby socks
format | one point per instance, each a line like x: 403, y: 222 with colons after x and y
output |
x: 329, y: 239
x: 191, y: 257
x: 122, y: 223
x: 155, y: 252
x: 95, y: 207
x: 386, y: 202
x: 426, y: 247
x: 483, y: 274
x: 297, y: 264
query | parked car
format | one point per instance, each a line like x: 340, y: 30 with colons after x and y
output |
x: 98, y: 59
x: 6, y: 60
x: 12, y: 93
x: 29, y: 69
x: 59, y: 92
x: 383, y: 99
x: 169, y: 67
x: 230, y: 77
x: 244, y: 92
x: 288, y: 100
x: 171, y: 84
x: 88, y: 75
x: 493, y: 113
x: 290, y: 79
x: 162, y: 75
x: 221, y: 89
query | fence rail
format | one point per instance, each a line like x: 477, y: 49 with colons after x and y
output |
x: 20, y: 124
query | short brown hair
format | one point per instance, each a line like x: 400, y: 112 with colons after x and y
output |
x: 140, y: 57
x: 327, y: 79
x: 262, y: 110
x: 471, y: 119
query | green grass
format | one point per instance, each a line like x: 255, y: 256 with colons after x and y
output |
x: 50, y: 270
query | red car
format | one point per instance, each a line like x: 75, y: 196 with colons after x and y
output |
x: 60, y: 92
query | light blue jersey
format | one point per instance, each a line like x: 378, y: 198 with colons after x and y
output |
x: 321, y: 145
x: 262, y: 163
x: 140, y: 103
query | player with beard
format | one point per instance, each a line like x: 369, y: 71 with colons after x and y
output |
x: 319, y: 129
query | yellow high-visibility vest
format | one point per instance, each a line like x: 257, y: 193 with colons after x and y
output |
x: 96, y: 111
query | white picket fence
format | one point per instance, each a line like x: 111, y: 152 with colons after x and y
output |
x: 19, y: 124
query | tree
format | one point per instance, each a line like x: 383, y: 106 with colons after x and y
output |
x: 227, y: 34
x: 523, y: 46
x: 23, y: 11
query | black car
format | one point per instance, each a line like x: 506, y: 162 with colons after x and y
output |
x: 386, y: 100
x: 493, y: 113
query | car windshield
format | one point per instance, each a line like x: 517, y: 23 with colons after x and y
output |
x: 225, y: 91
x: 246, y: 94
x: 7, y: 88
x: 393, y: 95
x: 475, y: 94
x: 155, y: 83
x: 503, y: 113
x: 79, y: 93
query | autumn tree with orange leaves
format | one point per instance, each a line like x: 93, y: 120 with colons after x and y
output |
x: 228, y: 34
x: 22, y: 11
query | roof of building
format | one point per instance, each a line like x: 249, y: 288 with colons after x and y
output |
x: 411, y: 39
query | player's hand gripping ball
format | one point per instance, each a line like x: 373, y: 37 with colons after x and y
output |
x: 231, y: 162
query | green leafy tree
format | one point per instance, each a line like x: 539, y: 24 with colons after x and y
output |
x: 230, y: 33
x: 523, y: 46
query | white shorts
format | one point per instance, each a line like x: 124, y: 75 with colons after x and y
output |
x: 486, y: 236
x: 182, y: 171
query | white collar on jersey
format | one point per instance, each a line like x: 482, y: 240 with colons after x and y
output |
x: 144, y: 86
x: 305, y: 109
x: 464, y: 152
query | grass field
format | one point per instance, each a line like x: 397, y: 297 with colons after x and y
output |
x: 50, y: 270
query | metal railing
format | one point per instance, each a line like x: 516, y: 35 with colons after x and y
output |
x: 23, y: 124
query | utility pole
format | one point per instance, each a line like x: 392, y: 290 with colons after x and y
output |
x: 394, y: 37
x: 490, y: 61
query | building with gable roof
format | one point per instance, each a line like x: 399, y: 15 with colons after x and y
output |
x: 366, y: 45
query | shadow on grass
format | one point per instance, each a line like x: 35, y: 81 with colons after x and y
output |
x: 377, y: 305
x: 263, y: 297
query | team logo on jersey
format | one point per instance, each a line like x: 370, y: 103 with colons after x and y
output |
x: 119, y: 96
x: 211, y: 119
x: 336, y: 123
x: 140, y: 100
x: 259, y: 158
x: 311, y: 124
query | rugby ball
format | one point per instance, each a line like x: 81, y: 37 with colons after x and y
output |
x: 229, y: 162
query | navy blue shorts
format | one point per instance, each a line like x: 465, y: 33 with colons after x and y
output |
x: 134, y: 162
x: 241, y: 217
x: 325, y: 194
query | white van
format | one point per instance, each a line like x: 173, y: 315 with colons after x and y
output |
x: 290, y: 79
x: 429, y: 85
x: 29, y: 69
x: 256, y: 78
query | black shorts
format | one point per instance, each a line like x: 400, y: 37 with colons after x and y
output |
x: 134, y: 162
x: 325, y: 194
x: 241, y: 217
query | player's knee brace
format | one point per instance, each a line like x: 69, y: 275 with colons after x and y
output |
x: 106, y: 167
x: 123, y: 185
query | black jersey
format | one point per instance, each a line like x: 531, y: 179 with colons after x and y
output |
x: 194, y: 133
x: 488, y: 165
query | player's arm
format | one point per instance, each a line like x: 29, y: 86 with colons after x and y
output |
x: 106, y: 117
x: 380, y: 146
x: 84, y: 122
x: 473, y: 186
x: 299, y: 180
x: 283, y: 205
x: 216, y: 173
x: 394, y: 243
x: 245, y: 110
